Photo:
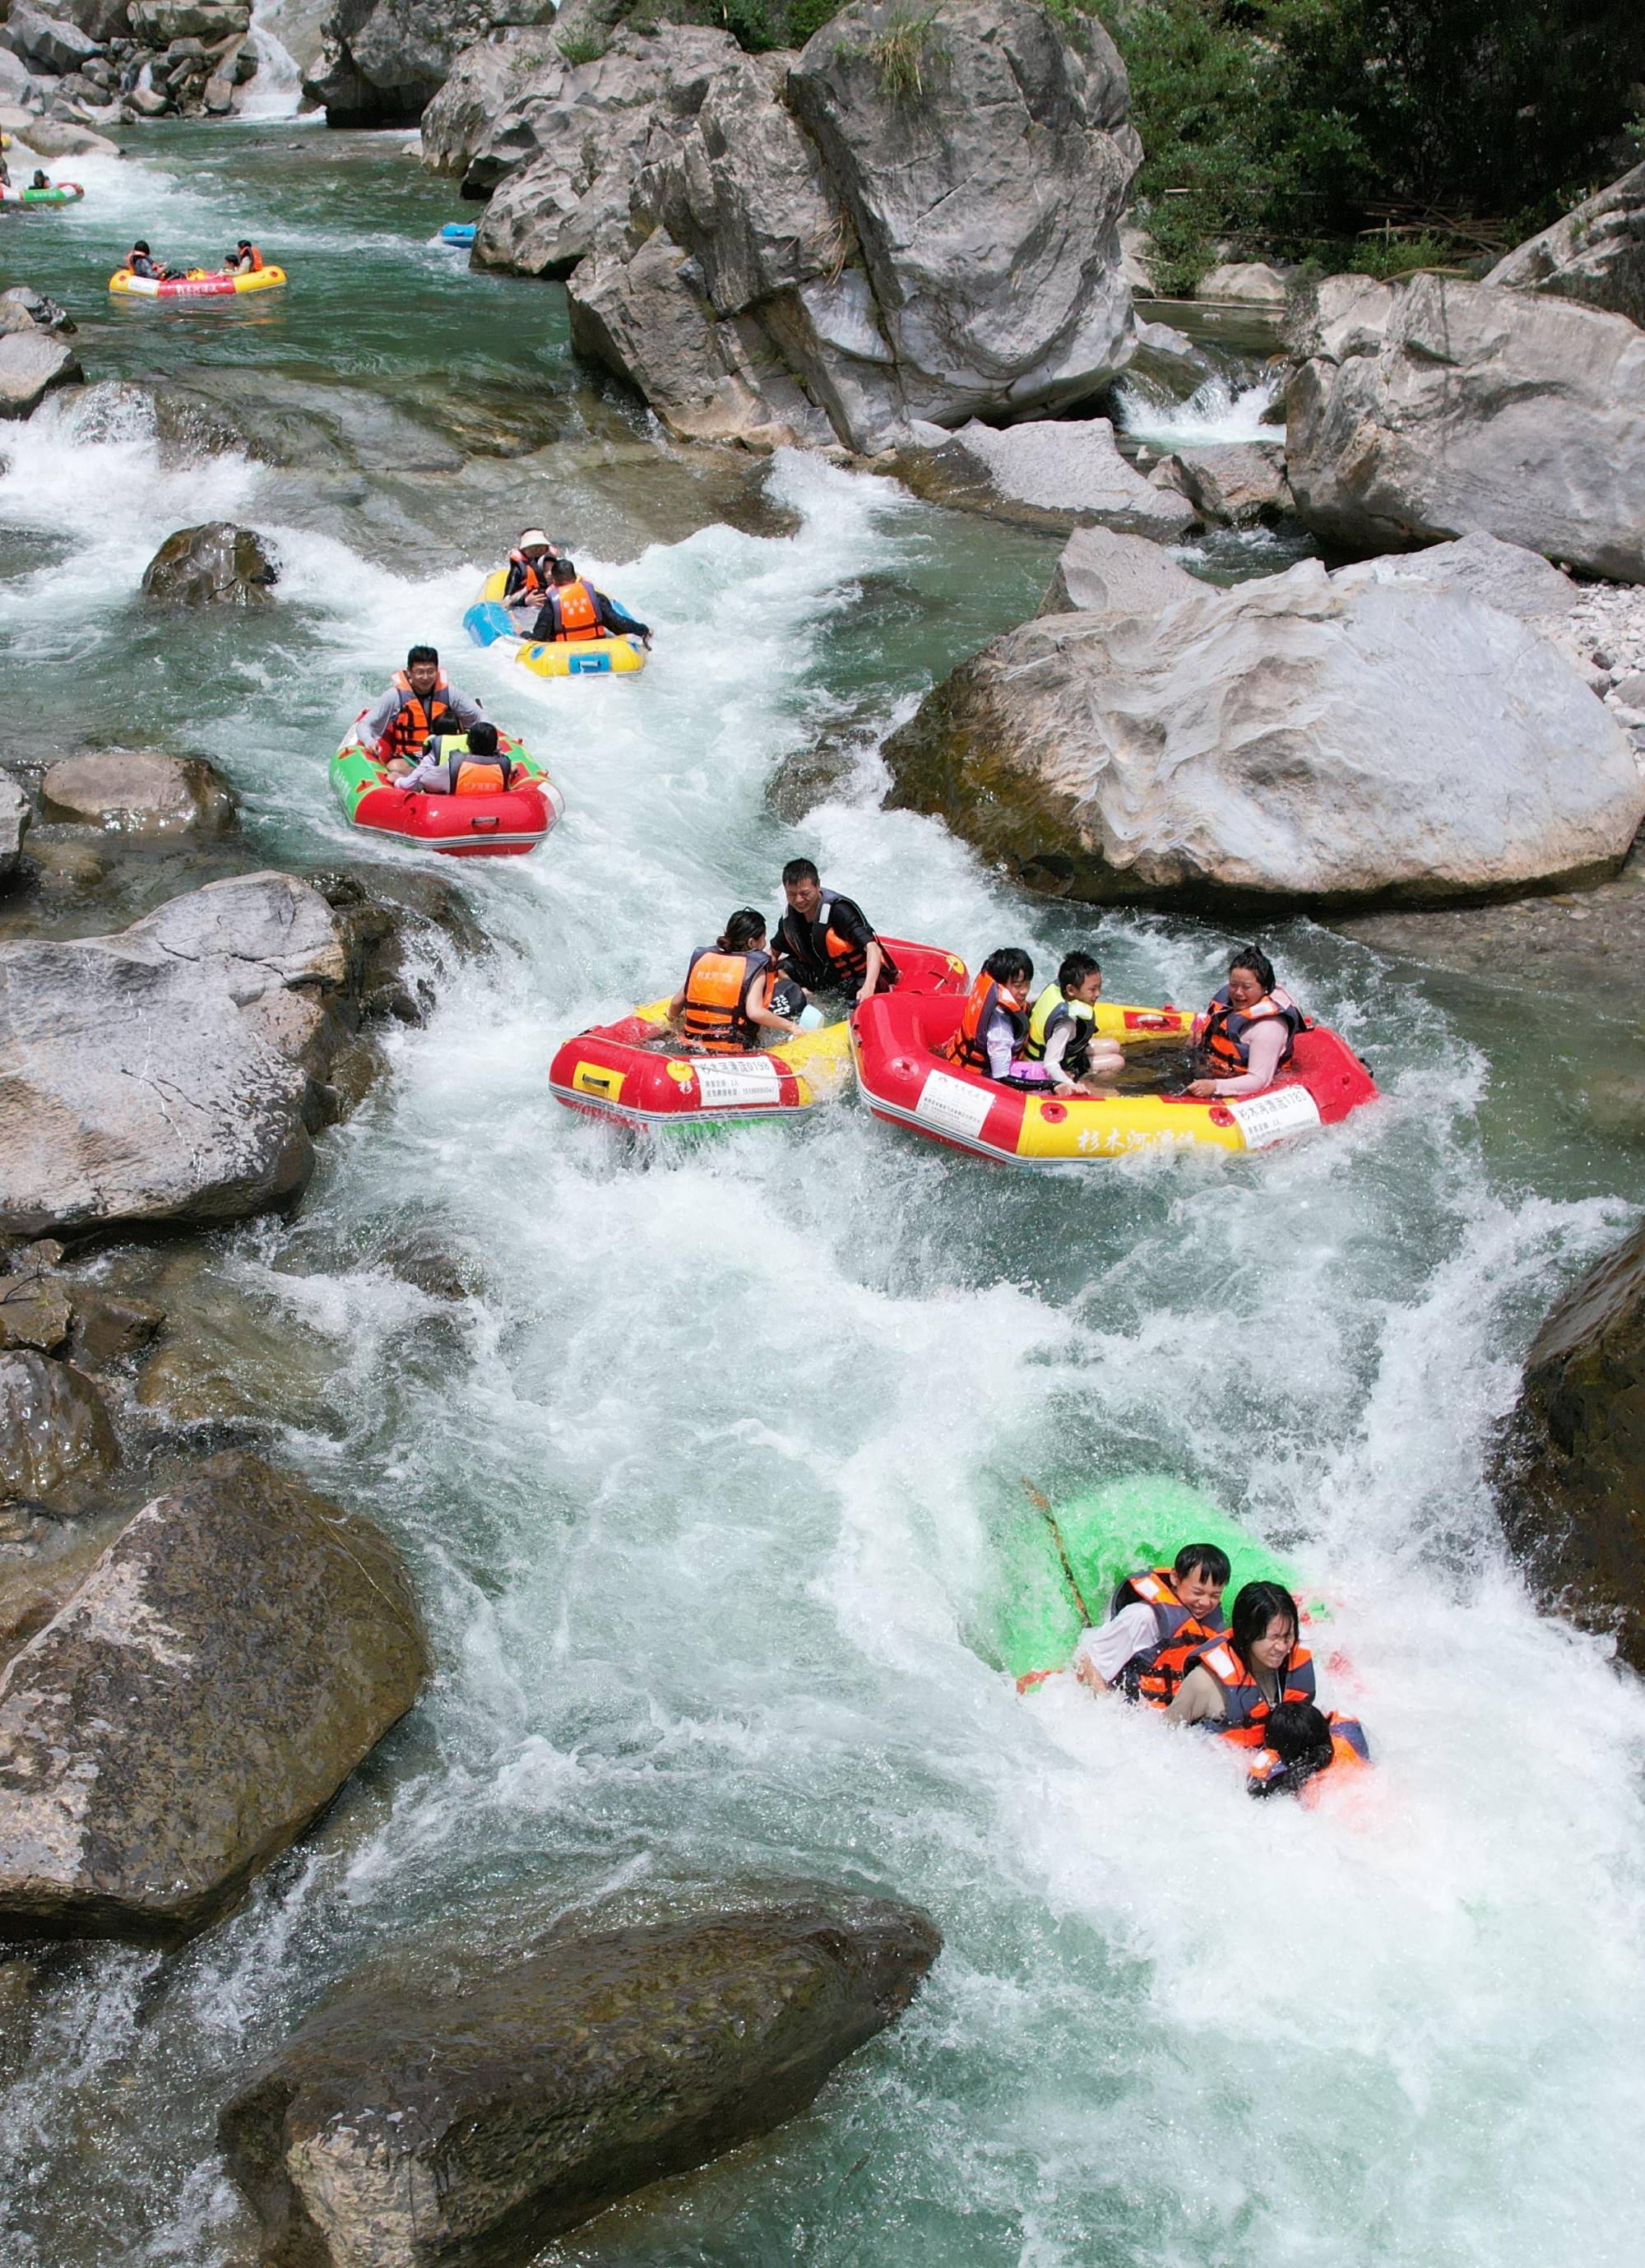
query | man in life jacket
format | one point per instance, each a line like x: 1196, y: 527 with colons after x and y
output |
x: 527, y: 581
x: 1158, y: 1619
x: 141, y: 262
x: 1061, y: 1049
x: 824, y: 941
x: 455, y: 765
x: 245, y: 260
x: 1302, y: 1744
x: 724, y: 1006
x: 1232, y: 1687
x: 420, y: 705
x: 575, y: 611
x: 1248, y: 1033
x: 994, y: 1019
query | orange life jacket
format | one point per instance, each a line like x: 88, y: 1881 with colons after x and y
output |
x: 1350, y: 1751
x: 578, y: 614
x: 1155, y: 1674
x: 418, y: 720
x: 968, y: 1047
x: 256, y: 261
x: 531, y: 586
x: 715, y: 1018
x: 1245, y: 1705
x: 1223, y: 1035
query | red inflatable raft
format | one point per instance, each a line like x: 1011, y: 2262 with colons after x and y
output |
x: 896, y: 1042
x: 502, y: 826
x: 622, y: 1071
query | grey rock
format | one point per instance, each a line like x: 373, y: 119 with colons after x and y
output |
x: 1287, y: 742
x: 1510, y: 412
x: 18, y: 86
x: 238, y: 1650
x: 1102, y: 572
x: 1594, y: 256
x: 1231, y: 483
x: 138, y: 792
x: 43, y: 314
x: 1340, y: 317
x: 381, y: 61
x: 237, y: 63
x: 30, y: 366
x: 215, y: 565
x: 159, y: 22
x: 56, y: 1444
x: 1504, y: 575
x: 101, y: 20
x: 34, y: 1312
x: 52, y: 138
x: 1250, y: 282
x: 1074, y: 467
x: 1167, y: 362
x: 46, y: 40
x: 167, y: 1073
x: 472, y: 2099
x: 14, y: 820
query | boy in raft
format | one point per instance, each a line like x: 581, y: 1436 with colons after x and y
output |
x: 994, y: 1022
x: 1302, y: 1743
x: 1061, y: 1049
x: 474, y: 766
x: 1158, y: 1619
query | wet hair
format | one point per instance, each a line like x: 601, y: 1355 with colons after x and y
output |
x: 1010, y: 965
x: 483, y: 739
x: 1202, y: 1559
x: 564, y: 571
x: 1076, y: 967
x: 799, y: 870
x: 140, y: 245
x: 743, y: 931
x: 1300, y: 1736
x: 1250, y: 957
x: 420, y: 654
x: 1254, y: 1609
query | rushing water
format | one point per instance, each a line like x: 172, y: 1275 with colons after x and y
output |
x: 704, y: 1481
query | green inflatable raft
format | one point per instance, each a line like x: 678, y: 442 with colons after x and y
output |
x: 1063, y: 1562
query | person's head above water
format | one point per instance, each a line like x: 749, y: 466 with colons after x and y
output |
x: 140, y: 247
x: 744, y: 931
x: 1009, y: 966
x: 1249, y: 976
x: 802, y: 886
x: 1265, y: 1626
x: 1074, y: 981
x: 1200, y: 1575
x: 1298, y: 1733
x: 422, y: 668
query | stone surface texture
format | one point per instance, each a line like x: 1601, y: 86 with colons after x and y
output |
x: 32, y: 366
x: 471, y: 2100
x: 238, y: 1650
x: 138, y: 792
x: 57, y: 1443
x: 1101, y: 572
x: 1596, y: 254
x: 1287, y: 742
x: 216, y: 564
x: 382, y: 61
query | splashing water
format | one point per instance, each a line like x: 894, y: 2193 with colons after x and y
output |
x: 1221, y: 410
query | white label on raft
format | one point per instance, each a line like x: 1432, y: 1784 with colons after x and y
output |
x: 737, y: 1079
x: 1265, y: 1118
x: 953, y: 1104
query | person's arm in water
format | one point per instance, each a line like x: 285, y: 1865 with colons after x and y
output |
x: 1103, y: 1653
x: 1267, y: 1045
x: 1198, y: 1700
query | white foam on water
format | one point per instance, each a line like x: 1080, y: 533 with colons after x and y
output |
x: 275, y: 89
x: 1221, y: 410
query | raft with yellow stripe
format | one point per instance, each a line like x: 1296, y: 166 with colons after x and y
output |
x: 488, y: 623
x: 199, y: 283
x: 908, y: 1081
x: 635, y: 1071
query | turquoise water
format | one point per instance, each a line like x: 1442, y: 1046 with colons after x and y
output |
x: 704, y: 1479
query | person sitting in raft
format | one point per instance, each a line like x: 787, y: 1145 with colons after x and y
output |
x: 527, y: 580
x: 420, y: 705
x: 1301, y: 1743
x: 142, y: 261
x: 42, y: 179
x: 574, y: 609
x: 245, y: 260
x: 1231, y: 1688
x: 724, y: 1005
x: 994, y: 1022
x: 1061, y: 1041
x: 454, y: 765
x: 1248, y: 1033
x: 824, y: 941
x: 1158, y: 1619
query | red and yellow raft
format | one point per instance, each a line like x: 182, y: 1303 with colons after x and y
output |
x: 906, y: 1081
x: 625, y: 1071
x: 501, y: 826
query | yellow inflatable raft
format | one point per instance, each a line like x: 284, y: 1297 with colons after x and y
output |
x: 199, y: 283
x: 488, y: 623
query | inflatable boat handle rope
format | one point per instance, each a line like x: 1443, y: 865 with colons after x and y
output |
x: 1043, y: 1504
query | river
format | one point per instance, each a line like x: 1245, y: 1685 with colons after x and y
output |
x: 704, y: 1479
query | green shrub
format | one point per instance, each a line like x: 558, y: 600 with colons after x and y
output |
x: 583, y: 48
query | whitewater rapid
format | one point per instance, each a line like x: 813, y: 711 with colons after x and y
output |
x: 705, y: 1481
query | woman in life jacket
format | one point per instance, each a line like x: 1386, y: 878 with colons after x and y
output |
x: 1302, y: 1744
x: 1232, y: 1687
x: 1248, y: 1033
x: 245, y: 260
x: 526, y: 582
x: 1158, y: 1619
x: 724, y: 1006
x: 994, y: 1021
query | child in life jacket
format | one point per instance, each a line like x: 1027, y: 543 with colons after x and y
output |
x: 449, y: 758
x: 1061, y: 1049
x: 994, y: 1022
x: 1301, y: 1743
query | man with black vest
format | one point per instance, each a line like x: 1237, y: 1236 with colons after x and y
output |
x: 824, y: 942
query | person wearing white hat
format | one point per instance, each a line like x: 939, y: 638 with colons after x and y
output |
x: 529, y: 561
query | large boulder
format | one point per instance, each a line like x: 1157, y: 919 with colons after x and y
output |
x: 1502, y: 575
x: 1477, y: 408
x: 1103, y: 573
x: 216, y: 564
x: 202, y: 1697
x: 32, y: 366
x: 1230, y: 484
x: 1596, y: 254
x: 1573, y: 1482
x: 46, y: 42
x: 56, y: 1444
x: 382, y: 60
x: 1246, y: 283
x: 50, y: 137
x: 14, y: 820
x: 1051, y: 473
x: 158, y: 23
x: 472, y: 2099
x: 170, y: 1072
x: 1284, y: 743
x: 138, y: 792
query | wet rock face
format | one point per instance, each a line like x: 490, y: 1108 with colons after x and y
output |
x: 215, y: 565
x: 1573, y: 1484
x: 1475, y: 407
x: 1595, y: 255
x: 14, y: 819
x: 1104, y: 573
x: 1287, y: 742
x: 234, y: 1654
x: 30, y: 366
x: 469, y: 2104
x: 57, y: 1443
x: 381, y: 60
x: 138, y: 792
